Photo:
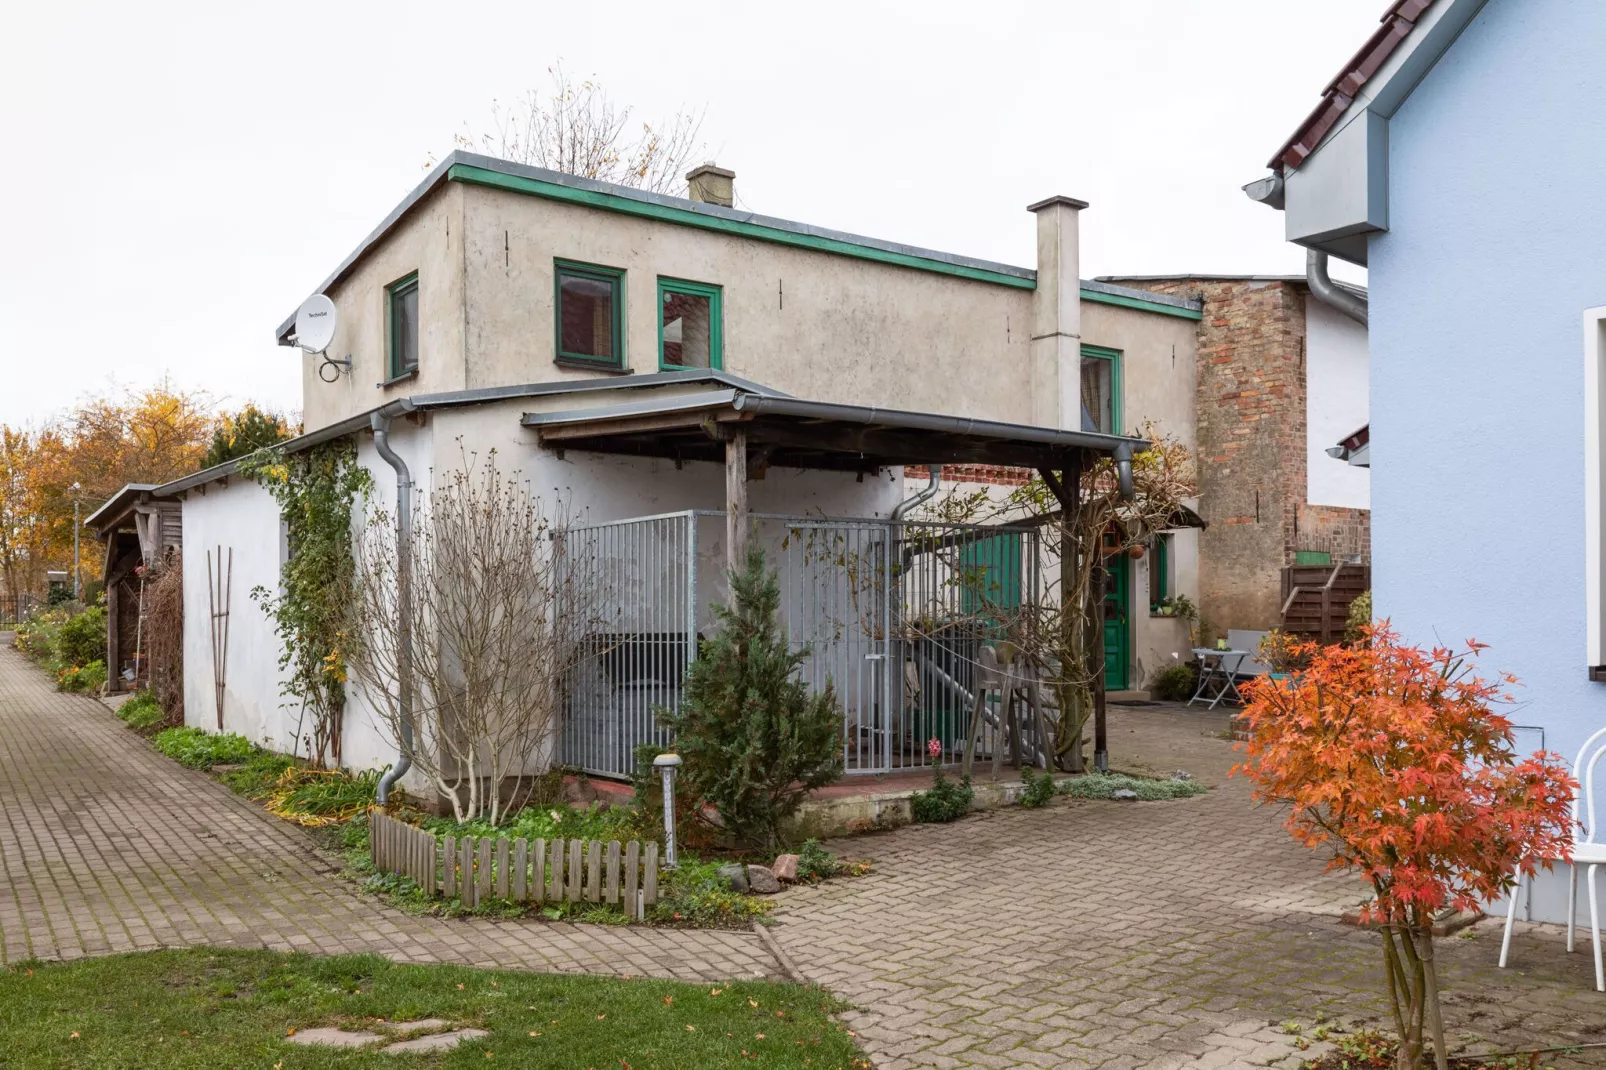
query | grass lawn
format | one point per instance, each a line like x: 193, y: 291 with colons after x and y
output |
x: 214, y: 1008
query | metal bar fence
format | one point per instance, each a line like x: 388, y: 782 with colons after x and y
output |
x: 894, y: 615
x: 476, y: 869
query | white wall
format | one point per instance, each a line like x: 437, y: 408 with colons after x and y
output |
x: 1336, y: 377
x: 241, y: 518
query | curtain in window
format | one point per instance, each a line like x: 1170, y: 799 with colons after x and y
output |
x: 1098, y: 402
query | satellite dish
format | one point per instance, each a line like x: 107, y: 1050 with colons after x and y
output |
x: 315, y: 323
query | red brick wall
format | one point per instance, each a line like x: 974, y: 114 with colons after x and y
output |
x: 973, y: 473
x: 1251, y: 452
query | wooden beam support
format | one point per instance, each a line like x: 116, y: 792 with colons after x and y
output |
x: 892, y: 447
x: 736, y: 499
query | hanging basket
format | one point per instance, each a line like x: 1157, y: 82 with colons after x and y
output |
x: 1134, y: 552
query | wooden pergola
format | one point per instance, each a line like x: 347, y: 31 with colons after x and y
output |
x: 749, y: 431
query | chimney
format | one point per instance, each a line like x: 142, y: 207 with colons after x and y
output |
x: 712, y: 185
x: 1056, y: 353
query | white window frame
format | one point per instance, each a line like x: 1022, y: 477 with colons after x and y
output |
x: 1594, y: 488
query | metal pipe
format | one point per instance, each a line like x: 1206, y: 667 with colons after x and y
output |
x: 1123, y: 470
x: 920, y: 497
x: 1328, y: 292
x: 404, y: 601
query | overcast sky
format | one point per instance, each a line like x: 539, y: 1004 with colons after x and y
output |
x: 180, y: 176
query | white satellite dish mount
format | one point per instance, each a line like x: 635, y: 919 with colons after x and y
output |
x: 316, y: 320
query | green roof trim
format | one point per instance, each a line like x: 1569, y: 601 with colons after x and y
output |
x: 1140, y: 304
x: 664, y: 213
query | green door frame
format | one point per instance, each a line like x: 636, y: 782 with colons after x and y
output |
x: 1118, y: 632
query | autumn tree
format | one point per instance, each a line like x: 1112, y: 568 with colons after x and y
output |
x: 577, y: 128
x: 85, y: 456
x: 244, y: 432
x: 1392, y: 761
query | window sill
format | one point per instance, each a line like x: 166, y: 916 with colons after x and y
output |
x: 410, y: 373
x: 688, y: 368
x: 578, y: 364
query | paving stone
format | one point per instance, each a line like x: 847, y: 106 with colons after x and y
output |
x: 435, y: 1041
x: 107, y: 846
x: 1172, y: 934
x: 329, y: 1037
x: 421, y: 1025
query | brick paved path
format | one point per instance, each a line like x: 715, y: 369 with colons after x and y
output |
x: 106, y: 846
x: 1137, y: 935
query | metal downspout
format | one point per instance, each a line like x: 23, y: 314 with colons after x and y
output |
x: 922, y: 496
x: 404, y: 602
x: 1325, y: 290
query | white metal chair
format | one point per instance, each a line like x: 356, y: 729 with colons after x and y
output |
x: 1587, y: 851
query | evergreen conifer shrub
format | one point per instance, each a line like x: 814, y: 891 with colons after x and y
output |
x: 753, y: 739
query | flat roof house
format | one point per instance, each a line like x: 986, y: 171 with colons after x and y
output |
x: 721, y: 374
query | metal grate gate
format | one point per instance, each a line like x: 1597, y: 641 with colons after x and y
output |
x: 894, y: 615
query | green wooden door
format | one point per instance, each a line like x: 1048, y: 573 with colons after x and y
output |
x: 990, y: 575
x: 1117, y: 633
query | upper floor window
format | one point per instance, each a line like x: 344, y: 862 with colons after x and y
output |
x: 402, y: 298
x: 690, y: 328
x: 590, y: 314
x: 1101, y: 390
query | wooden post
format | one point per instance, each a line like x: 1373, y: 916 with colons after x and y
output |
x: 736, y: 500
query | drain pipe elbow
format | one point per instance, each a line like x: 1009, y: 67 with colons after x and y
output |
x: 1123, y: 470
x: 1328, y: 292
x: 922, y: 496
x: 380, y: 421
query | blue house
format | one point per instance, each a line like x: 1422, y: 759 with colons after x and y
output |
x: 1461, y: 157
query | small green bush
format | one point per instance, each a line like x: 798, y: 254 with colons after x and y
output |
x: 1039, y: 788
x: 82, y: 639
x: 1360, y: 615
x: 198, y: 749
x: 815, y: 863
x: 946, y: 801
x: 142, y: 711
x: 88, y: 677
x: 1105, y: 785
x: 695, y: 894
x: 259, y: 776
x: 1174, y: 683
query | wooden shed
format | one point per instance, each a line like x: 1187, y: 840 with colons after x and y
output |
x: 138, y: 529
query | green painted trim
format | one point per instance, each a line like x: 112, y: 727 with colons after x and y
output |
x: 664, y: 213
x: 1138, y: 303
x: 1116, y: 401
x: 400, y: 288
x: 1162, y: 561
x: 614, y: 276
x: 716, y: 320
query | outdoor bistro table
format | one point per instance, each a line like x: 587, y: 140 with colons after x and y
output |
x: 1217, y: 676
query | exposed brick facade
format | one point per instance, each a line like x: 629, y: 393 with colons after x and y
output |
x: 1251, y: 449
x: 973, y: 473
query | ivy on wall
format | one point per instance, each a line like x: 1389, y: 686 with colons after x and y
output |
x: 316, y: 490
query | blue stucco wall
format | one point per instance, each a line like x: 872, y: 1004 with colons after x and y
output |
x: 1497, y: 243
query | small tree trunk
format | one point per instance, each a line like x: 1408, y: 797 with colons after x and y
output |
x: 1441, y: 1058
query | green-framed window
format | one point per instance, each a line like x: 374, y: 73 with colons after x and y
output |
x: 1101, y: 390
x: 691, y: 325
x: 589, y: 314
x: 401, y: 326
x: 1159, y: 571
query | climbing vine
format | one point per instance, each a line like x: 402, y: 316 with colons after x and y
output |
x: 316, y: 490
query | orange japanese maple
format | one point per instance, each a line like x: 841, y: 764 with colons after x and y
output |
x: 1392, y: 759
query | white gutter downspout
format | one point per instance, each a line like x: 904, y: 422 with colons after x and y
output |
x: 1325, y: 290
x: 404, y: 598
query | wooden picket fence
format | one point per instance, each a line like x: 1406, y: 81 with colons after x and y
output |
x: 475, y: 869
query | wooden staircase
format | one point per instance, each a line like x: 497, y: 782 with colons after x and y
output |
x: 1316, y: 599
